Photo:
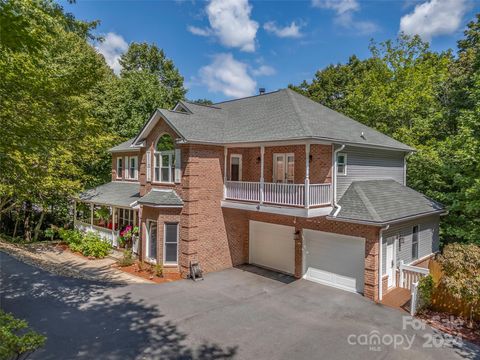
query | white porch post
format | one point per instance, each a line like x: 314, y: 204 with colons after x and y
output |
x: 307, y: 176
x: 225, y: 173
x: 262, y: 177
x: 91, y: 216
x: 114, y: 238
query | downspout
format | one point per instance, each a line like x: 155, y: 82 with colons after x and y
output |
x: 338, y: 207
x: 380, y: 258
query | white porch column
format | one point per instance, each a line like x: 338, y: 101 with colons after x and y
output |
x: 91, y: 216
x: 225, y: 150
x: 114, y: 238
x: 307, y: 176
x: 262, y: 177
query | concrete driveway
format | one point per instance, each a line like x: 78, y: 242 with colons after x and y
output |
x: 231, y: 314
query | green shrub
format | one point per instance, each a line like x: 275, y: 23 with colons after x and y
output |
x: 127, y: 258
x: 16, y: 340
x: 158, y: 270
x: 51, y: 232
x: 70, y: 236
x: 425, y: 290
x: 93, y: 245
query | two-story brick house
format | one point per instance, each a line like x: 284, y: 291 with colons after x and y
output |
x: 275, y: 180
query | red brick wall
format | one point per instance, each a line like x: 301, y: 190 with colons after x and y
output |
x: 320, y: 165
x: 114, y: 164
x: 237, y: 234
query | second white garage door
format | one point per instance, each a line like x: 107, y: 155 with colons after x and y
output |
x: 334, y: 260
x: 272, y: 246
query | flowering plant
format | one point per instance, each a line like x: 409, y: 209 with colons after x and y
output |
x: 127, y: 234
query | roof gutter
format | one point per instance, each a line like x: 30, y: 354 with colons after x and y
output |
x: 335, y: 204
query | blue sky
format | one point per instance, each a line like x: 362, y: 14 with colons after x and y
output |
x: 229, y: 48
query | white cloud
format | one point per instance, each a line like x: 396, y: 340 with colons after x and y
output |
x: 263, y: 70
x: 230, y: 22
x: 291, y: 31
x: 229, y: 76
x: 344, y: 10
x: 199, y: 31
x: 434, y: 17
x: 112, y: 49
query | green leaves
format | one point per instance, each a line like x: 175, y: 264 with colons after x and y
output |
x: 16, y: 341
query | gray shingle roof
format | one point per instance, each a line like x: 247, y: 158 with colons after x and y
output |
x: 159, y: 197
x: 112, y: 193
x: 275, y: 116
x: 383, y: 201
x: 125, y: 146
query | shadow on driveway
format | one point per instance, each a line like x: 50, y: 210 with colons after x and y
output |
x: 82, y: 322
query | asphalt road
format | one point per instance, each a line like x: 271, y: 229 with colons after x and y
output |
x: 231, y: 314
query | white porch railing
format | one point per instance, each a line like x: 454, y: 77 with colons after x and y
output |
x: 414, y: 299
x: 278, y: 193
x: 107, y: 234
x: 410, y: 274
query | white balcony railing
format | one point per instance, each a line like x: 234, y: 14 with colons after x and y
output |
x: 410, y: 274
x: 278, y: 193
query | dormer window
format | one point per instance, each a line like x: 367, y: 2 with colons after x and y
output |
x: 341, y: 164
x: 164, y: 159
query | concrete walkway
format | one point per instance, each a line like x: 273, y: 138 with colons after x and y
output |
x: 232, y: 314
x: 56, y: 260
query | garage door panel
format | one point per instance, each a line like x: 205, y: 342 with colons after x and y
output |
x: 335, y: 260
x: 272, y: 246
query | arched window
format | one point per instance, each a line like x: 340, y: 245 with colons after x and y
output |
x: 164, y: 158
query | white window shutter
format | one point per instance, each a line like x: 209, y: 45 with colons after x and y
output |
x: 126, y: 168
x: 136, y: 167
x: 178, y: 166
x: 149, y: 166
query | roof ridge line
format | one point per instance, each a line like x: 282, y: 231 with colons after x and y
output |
x: 297, y: 111
x: 368, y: 204
x: 204, y: 105
x: 248, y: 97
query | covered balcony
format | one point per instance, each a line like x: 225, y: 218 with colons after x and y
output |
x: 271, y: 177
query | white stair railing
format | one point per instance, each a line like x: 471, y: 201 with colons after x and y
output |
x: 410, y: 274
x: 414, y: 299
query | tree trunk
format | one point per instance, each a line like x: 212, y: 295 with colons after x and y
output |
x: 17, y: 219
x: 36, y: 231
x: 26, y: 222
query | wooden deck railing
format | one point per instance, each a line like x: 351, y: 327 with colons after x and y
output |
x: 278, y: 193
x: 410, y: 274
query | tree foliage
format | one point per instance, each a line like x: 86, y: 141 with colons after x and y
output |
x: 428, y: 100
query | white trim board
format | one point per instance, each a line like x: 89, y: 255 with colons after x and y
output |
x: 281, y: 210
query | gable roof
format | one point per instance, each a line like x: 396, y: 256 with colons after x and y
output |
x: 281, y: 115
x: 380, y: 202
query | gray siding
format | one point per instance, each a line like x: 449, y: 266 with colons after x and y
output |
x: 370, y: 164
x: 428, y: 239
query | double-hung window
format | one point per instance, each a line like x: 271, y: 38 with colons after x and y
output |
x: 132, y: 167
x: 170, y: 254
x: 415, y: 243
x: 164, y: 160
x: 119, y: 167
x: 341, y: 164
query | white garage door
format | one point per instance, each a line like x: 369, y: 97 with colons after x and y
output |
x: 334, y: 260
x: 272, y: 246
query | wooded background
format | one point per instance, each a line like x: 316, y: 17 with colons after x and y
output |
x: 62, y: 107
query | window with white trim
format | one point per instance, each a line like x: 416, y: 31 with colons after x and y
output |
x: 119, y: 167
x: 132, y: 169
x: 164, y: 159
x: 415, y: 243
x: 170, y: 254
x: 341, y: 164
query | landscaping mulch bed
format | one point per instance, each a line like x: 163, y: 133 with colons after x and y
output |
x: 147, y: 274
x: 452, y: 325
